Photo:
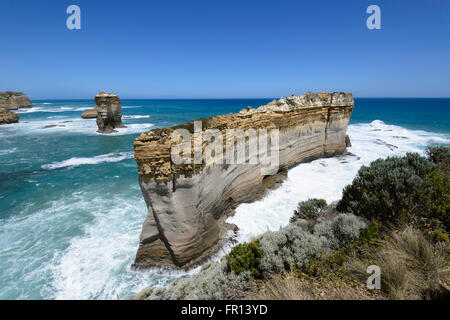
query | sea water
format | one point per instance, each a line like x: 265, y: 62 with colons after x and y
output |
x: 71, y: 209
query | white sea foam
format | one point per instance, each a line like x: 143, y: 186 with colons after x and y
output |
x: 325, y: 178
x: 52, y: 109
x: 75, y: 162
x: 7, y: 151
x: 97, y: 265
x: 136, y: 117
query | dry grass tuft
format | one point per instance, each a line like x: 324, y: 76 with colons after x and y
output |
x: 294, y: 287
x: 411, y: 266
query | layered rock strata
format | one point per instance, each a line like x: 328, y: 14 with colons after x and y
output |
x: 188, y: 203
x: 14, y: 100
x: 7, y: 116
x: 109, y: 112
x: 90, y: 114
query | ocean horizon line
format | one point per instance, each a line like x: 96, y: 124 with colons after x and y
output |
x: 193, y: 99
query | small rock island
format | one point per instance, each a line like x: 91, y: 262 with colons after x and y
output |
x: 10, y: 100
x: 109, y: 112
x: 188, y: 204
x: 14, y: 100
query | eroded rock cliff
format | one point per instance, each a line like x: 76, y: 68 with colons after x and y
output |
x: 109, y: 112
x: 14, y: 100
x: 188, y: 203
x: 7, y: 116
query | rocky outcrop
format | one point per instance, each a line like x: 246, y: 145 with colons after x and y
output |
x: 7, y: 116
x: 14, y: 100
x: 188, y: 202
x: 109, y: 112
x: 90, y: 114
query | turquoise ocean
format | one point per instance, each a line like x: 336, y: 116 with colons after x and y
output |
x: 71, y: 209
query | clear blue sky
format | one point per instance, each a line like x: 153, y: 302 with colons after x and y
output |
x: 225, y: 49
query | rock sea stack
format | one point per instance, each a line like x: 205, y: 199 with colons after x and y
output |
x: 14, y: 100
x: 7, y: 116
x: 188, y: 203
x: 109, y: 112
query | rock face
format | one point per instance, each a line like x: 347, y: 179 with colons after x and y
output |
x: 14, y: 100
x: 109, y: 112
x: 90, y: 114
x: 188, y: 203
x: 7, y: 116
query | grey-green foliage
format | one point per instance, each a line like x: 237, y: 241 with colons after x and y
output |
x: 290, y: 246
x: 211, y: 283
x: 339, y: 231
x: 287, y: 247
x: 308, y: 209
x: 389, y: 190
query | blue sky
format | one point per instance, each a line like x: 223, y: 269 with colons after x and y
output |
x: 224, y: 49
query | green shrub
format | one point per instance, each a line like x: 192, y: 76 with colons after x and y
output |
x: 341, y: 230
x: 390, y: 190
x: 346, y: 228
x: 369, y: 235
x: 245, y: 257
x: 438, y: 201
x: 440, y: 236
x: 308, y: 209
x: 290, y: 246
x: 328, y: 263
x: 439, y: 154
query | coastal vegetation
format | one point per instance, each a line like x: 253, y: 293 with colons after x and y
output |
x: 395, y: 215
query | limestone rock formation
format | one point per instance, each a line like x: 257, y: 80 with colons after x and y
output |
x: 14, y: 100
x: 109, y: 112
x: 188, y: 203
x: 90, y: 114
x: 7, y: 116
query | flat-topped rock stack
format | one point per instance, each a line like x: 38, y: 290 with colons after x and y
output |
x: 109, y: 112
x: 14, y: 100
x: 188, y: 202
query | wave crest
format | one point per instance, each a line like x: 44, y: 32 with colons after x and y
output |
x: 75, y: 162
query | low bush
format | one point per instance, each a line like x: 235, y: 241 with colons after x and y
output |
x: 290, y: 246
x: 439, y: 155
x: 245, y: 257
x: 339, y: 231
x: 399, y: 190
x: 308, y: 209
x: 370, y: 235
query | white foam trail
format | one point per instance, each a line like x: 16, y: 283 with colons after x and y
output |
x: 52, y: 109
x: 75, y: 162
x: 136, y: 117
x: 7, y: 151
x: 325, y: 178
